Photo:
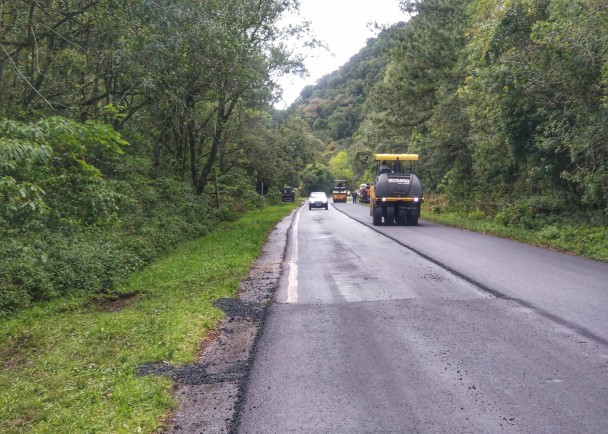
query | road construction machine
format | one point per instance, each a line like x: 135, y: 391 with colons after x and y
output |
x: 396, y: 195
x: 339, y: 193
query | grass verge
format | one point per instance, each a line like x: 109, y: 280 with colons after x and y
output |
x: 71, y: 365
x: 578, y: 235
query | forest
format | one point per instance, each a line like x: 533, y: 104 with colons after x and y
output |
x: 129, y: 126
x: 504, y: 100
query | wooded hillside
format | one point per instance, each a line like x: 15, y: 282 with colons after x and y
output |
x: 506, y: 102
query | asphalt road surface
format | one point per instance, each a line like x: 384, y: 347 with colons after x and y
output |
x: 428, y: 329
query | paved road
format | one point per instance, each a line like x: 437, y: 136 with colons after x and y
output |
x: 464, y: 333
x: 571, y: 290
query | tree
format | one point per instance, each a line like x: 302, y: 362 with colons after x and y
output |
x: 416, y: 106
x: 420, y: 62
x: 68, y: 57
x: 227, y: 55
x: 340, y: 167
x: 316, y: 177
x: 535, y: 99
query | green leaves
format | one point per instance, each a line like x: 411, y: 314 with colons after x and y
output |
x: 340, y: 166
x: 502, y: 99
x: 20, y: 198
x: 550, y: 108
x: 54, y: 167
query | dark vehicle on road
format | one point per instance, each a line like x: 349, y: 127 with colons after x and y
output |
x: 318, y: 199
x: 396, y: 195
x: 288, y: 194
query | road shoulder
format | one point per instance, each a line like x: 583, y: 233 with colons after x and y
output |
x: 210, y: 392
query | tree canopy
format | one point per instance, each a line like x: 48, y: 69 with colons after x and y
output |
x: 133, y: 124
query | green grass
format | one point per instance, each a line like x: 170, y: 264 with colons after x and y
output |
x: 580, y: 234
x: 71, y: 365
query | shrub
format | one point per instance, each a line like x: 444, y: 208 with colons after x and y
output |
x: 273, y: 197
x: 88, y: 216
x: 545, y: 205
x: 476, y: 215
x: 549, y: 233
x: 24, y: 274
x: 517, y: 215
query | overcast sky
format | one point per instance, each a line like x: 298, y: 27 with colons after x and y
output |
x: 343, y: 26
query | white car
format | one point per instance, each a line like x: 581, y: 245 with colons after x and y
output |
x: 317, y: 199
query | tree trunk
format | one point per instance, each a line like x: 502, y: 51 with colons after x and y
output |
x: 192, y: 150
x: 208, y: 167
x: 223, y: 113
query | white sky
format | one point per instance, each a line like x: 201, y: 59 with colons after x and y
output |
x: 343, y: 26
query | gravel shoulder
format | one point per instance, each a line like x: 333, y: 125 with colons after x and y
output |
x: 210, y: 392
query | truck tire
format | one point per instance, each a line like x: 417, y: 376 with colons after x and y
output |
x: 401, y: 217
x: 377, y: 215
x: 389, y: 219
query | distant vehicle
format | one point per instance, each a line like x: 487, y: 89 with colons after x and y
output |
x: 288, y: 194
x: 339, y: 193
x: 363, y: 193
x: 318, y: 199
x: 396, y: 195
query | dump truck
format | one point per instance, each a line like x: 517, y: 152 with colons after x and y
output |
x: 288, y: 194
x: 364, y: 193
x: 339, y: 193
x: 396, y: 195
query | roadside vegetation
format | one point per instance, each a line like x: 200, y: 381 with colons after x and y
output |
x: 71, y: 365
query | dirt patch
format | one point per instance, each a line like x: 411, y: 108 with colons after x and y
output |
x: 115, y: 302
x: 16, y: 352
x: 210, y: 392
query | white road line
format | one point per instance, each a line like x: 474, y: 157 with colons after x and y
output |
x: 292, y: 288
